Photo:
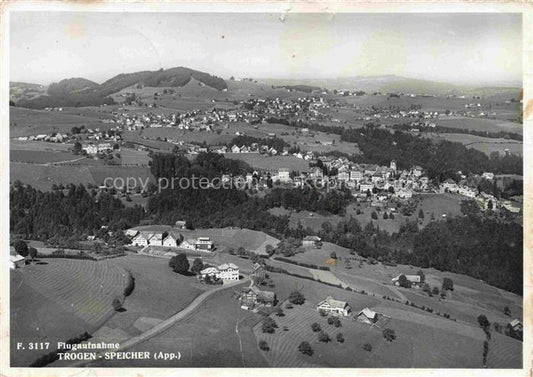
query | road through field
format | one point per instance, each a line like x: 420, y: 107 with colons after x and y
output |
x: 160, y: 327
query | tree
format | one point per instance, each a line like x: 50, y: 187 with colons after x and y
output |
x: 385, y: 216
x: 315, y: 327
x: 179, y: 263
x: 197, y: 266
x: 77, y: 148
x: 280, y: 313
x: 189, y: 225
x: 374, y: 215
x: 485, y: 352
x: 263, y: 346
x: 117, y: 304
x: 426, y: 287
x: 447, y: 284
x: 333, y: 255
x: 340, y: 338
x: 32, y: 252
x: 324, y: 337
x: 367, y: 347
x: 507, y: 311
x: 305, y: 348
x: 435, y: 291
x: 389, y: 334
x: 296, y: 297
x: 483, y: 321
x: 269, y: 326
x: 21, y: 248
x: 269, y: 250
x: 404, y: 282
x: 420, y: 213
x: 422, y: 276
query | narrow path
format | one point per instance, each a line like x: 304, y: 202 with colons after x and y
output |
x: 160, y: 327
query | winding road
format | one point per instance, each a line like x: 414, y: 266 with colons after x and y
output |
x: 162, y: 326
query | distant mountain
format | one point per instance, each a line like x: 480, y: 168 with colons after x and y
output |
x: 24, y: 90
x: 391, y: 84
x: 82, y: 92
x: 70, y: 86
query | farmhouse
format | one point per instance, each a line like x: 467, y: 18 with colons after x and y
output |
x: 172, y: 240
x: 188, y: 244
x: 258, y: 271
x: 283, y: 175
x: 140, y: 240
x: 413, y: 279
x: 131, y: 232
x: 366, y: 316
x: 251, y: 297
x: 332, y: 306
x: 180, y: 224
x: 156, y: 239
x: 228, y: 271
x: 209, y: 271
x: 203, y: 243
x: 16, y: 261
x: 311, y: 241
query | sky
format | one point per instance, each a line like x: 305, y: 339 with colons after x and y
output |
x: 461, y: 48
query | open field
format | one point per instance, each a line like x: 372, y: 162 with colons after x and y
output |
x: 57, y: 299
x: 480, y: 124
x: 27, y: 122
x: 438, y: 204
x: 42, y: 157
x: 43, y: 177
x: 482, y: 144
x: 217, y: 335
x: 19, y: 145
x: 414, y: 329
x: 159, y: 292
x: 270, y: 163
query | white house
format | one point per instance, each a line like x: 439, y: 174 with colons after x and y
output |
x: 209, y: 271
x: 156, y: 239
x: 140, y: 240
x: 332, y: 306
x: 172, y: 240
x: 16, y: 261
x: 228, y: 271
x: 311, y: 241
x: 283, y: 175
x: 413, y: 279
x: 131, y: 232
x: 204, y: 244
x: 366, y: 316
x: 188, y: 244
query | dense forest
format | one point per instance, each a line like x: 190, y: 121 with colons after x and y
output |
x: 442, y: 159
x: 74, y: 212
x: 211, y: 165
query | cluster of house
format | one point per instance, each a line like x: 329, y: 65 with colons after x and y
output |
x: 54, y: 137
x: 340, y: 308
x: 251, y: 298
x: 168, y: 239
x: 225, y: 272
x: 95, y: 135
x: 484, y: 200
x: 365, y: 180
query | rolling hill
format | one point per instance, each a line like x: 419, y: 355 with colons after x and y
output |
x: 76, y: 92
x: 393, y: 84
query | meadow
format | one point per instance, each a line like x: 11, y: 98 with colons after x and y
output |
x: 57, y: 299
x: 482, y: 144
